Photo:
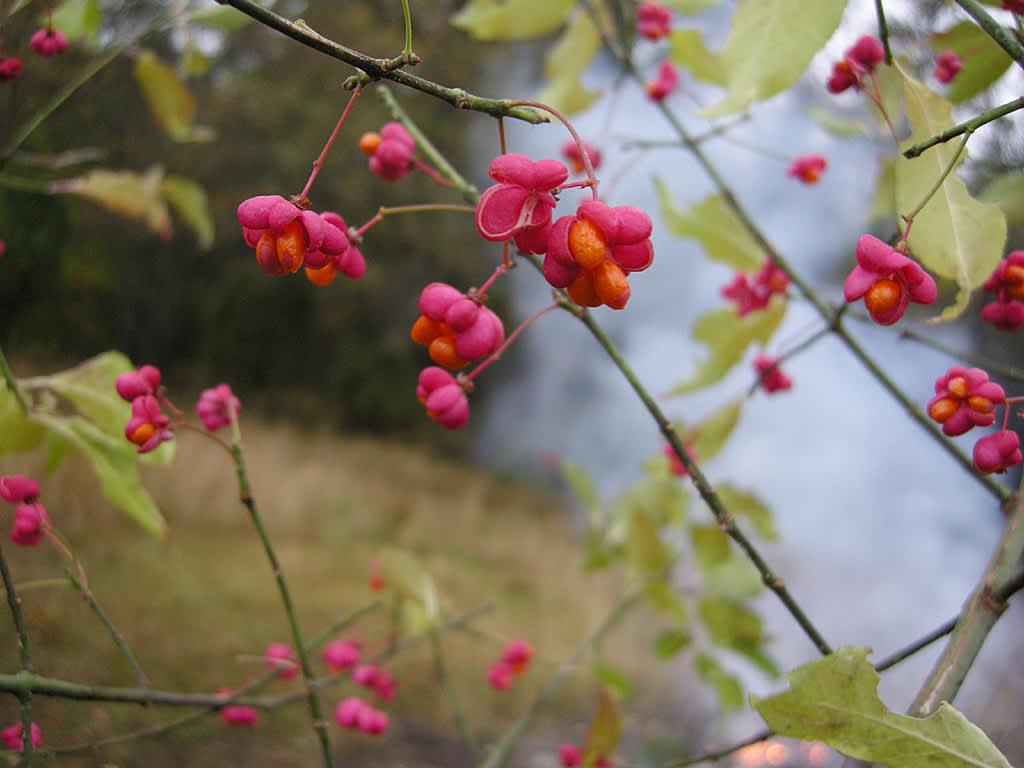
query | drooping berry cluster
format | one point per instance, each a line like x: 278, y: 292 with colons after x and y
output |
x: 30, y: 519
x: 754, y: 291
x: 857, y: 64
x: 149, y: 425
x: 1007, y: 283
x: 514, y: 661
x: 888, y: 281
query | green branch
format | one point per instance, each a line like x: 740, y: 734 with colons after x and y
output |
x: 968, y: 126
x: 994, y: 29
x: 382, y: 69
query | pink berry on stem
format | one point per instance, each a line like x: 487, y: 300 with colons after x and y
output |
x: 887, y: 280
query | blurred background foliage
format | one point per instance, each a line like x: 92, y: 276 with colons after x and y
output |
x: 79, y: 279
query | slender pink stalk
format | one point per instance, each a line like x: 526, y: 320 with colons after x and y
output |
x: 493, y: 357
x: 592, y: 181
x: 330, y: 142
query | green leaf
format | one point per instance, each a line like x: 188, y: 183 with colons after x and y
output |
x: 737, y: 628
x: 115, y: 463
x: 79, y: 20
x: 728, y: 335
x: 169, y: 99
x: 1006, y: 191
x: 890, y: 89
x: 954, y: 235
x: 136, y: 196
x: 605, y: 730
x: 644, y: 549
x: 688, y: 51
x: 222, y: 17
x: 566, y: 63
x: 714, y: 224
x: 734, y: 579
x: 710, y: 435
x: 581, y: 485
x: 663, y: 599
x: 597, y: 554
x: 690, y: 6
x: 670, y: 642
x: 843, y: 129
x: 511, y: 19
x: 614, y: 678
x: 728, y: 688
x: 883, y: 199
x: 188, y: 198
x: 769, y: 46
x: 710, y: 545
x: 835, y: 700
x: 745, y: 504
x: 90, y: 386
x: 984, y: 61
x: 20, y: 434
x: 405, y: 576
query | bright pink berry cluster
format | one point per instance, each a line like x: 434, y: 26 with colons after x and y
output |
x: 571, y: 756
x: 391, y: 151
x: 48, y: 42
x: 754, y: 291
x: 858, y: 62
x: 1017, y: 6
x: 947, y: 66
x: 443, y: 396
x: 340, y: 654
x: 217, y: 407
x: 10, y: 68
x: 653, y: 21
x: 770, y: 376
x: 965, y: 398
x: 887, y: 280
x: 455, y: 328
x: 1007, y: 282
x: 376, y: 678
x: 520, y: 205
x: 287, y: 237
x: 148, y: 425
x: 807, y: 168
x: 14, y: 740
x: 512, y: 663
x: 236, y: 715
x: 30, y: 518
x: 659, y: 88
x: 571, y: 151
x: 355, y: 713
x: 281, y: 656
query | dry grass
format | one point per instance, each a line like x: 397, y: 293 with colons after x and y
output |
x: 199, y: 606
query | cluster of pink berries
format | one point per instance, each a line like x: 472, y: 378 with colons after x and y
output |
x: 353, y: 712
x: 148, y: 425
x: 888, y: 280
x: 392, y: 151
x: 947, y: 67
x: 571, y: 756
x: 965, y: 398
x: 753, y: 292
x: 30, y: 518
x: 1007, y: 282
x: 455, y: 328
x: 46, y: 42
x: 512, y: 663
x: 287, y: 237
x: 572, y: 152
x: 807, y: 168
x: 857, y: 63
x: 15, y: 742
x: 770, y: 376
x: 654, y: 22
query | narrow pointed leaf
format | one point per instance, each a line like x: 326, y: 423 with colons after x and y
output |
x: 710, y: 435
x: 727, y: 687
x: 744, y: 504
x: 511, y: 19
x: 79, y: 20
x: 644, y: 548
x: 136, y: 196
x: 688, y: 51
x: 835, y: 700
x: 769, y: 46
x: 614, y: 678
x: 405, y: 575
x: 954, y: 236
x: 735, y: 627
x: 188, y: 198
x: 670, y: 642
x: 605, y: 730
x: 169, y: 99
x: 711, y: 222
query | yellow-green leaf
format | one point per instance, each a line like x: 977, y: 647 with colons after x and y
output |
x: 566, y: 63
x: 954, y: 236
x: 769, y: 46
x: 644, y: 548
x: 20, y: 434
x: 137, y: 196
x: 405, y: 576
x: 688, y: 51
x: 835, y: 700
x: 188, y: 198
x: 511, y: 19
x: 670, y: 642
x: 690, y: 6
x: 735, y: 627
x: 222, y: 17
x: 79, y: 20
x: 714, y: 224
x: 984, y: 61
x: 883, y: 199
x: 710, y: 545
x: 1006, y: 191
x: 746, y: 505
x: 727, y: 687
x: 728, y: 335
x: 614, y: 678
x: 605, y: 730
x: 169, y: 99
x: 710, y: 435
x: 837, y: 126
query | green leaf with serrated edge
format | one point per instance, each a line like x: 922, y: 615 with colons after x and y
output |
x: 79, y: 20
x: 710, y: 435
x: 711, y: 222
x: 735, y: 627
x: 838, y: 127
x: 136, y: 196
x: 664, y: 600
x: 954, y: 235
x: 189, y: 201
x: 728, y: 335
x: 169, y: 99
x: 883, y: 199
x: 20, y: 434
x: 670, y: 642
x: 727, y: 687
x: 221, y: 17
x: 581, y: 485
x: 566, y: 63
x: 769, y: 46
x: 733, y: 579
x: 984, y: 61
x: 744, y: 504
x: 614, y: 678
x: 835, y: 700
x: 115, y: 464
x: 403, y: 574
x: 690, y: 6
x: 511, y: 19
x: 605, y: 730
x: 710, y: 545
x: 687, y: 50
x: 1006, y: 191
x: 644, y: 549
